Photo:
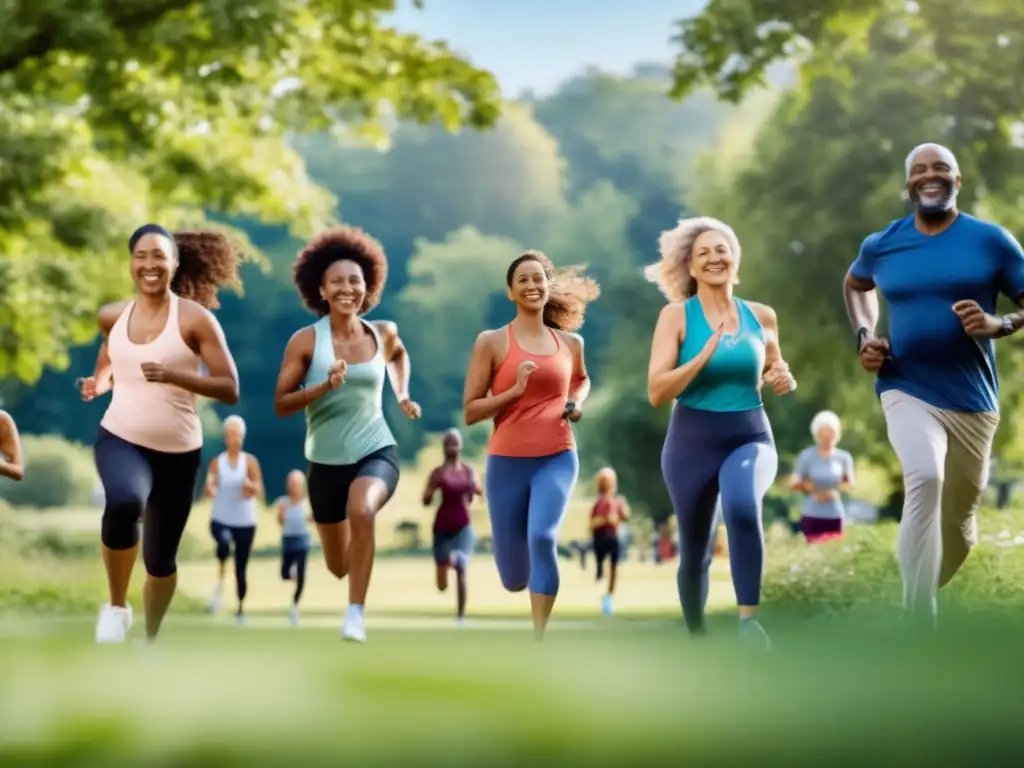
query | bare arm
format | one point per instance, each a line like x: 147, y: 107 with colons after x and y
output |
x: 253, y: 487
x: 289, y: 396
x: 478, y: 489
x: 581, y: 379
x: 624, y: 510
x: 221, y: 381
x: 211, y: 477
x: 280, y: 512
x: 12, y: 461
x: 476, y: 404
x: 665, y: 379
x: 429, y: 489
x: 861, y: 304
x: 399, y: 366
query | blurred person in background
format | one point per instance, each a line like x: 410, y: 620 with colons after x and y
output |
x: 294, y: 520
x: 234, y: 481
x: 334, y: 370
x: 531, y: 379
x: 609, y: 511
x: 453, y: 528
x: 711, y: 353
x: 823, y: 472
x: 941, y: 272
x: 12, y: 462
x: 162, y: 348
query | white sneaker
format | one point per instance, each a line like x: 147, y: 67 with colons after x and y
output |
x: 214, y: 605
x: 293, y: 616
x: 240, y: 619
x: 113, y: 624
x: 354, y: 628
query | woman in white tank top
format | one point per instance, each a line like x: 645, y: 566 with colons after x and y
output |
x: 148, y: 451
x: 234, y: 482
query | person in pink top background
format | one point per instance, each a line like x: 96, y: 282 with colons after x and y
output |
x: 453, y: 528
x: 150, y: 440
x: 531, y: 379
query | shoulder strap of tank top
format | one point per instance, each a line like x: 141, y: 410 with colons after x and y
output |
x: 376, y: 336
x: 120, y: 326
x: 512, y: 344
x: 555, y: 336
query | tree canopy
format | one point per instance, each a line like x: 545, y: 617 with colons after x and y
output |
x: 114, y: 113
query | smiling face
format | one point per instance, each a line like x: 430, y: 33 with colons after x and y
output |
x: 712, y: 261
x: 233, y: 438
x: 529, y: 288
x: 826, y: 437
x: 933, y: 181
x: 343, y: 287
x: 153, y: 264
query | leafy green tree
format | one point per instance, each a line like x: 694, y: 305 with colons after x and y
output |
x: 118, y: 112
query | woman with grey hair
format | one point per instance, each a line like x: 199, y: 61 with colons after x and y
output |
x: 234, y: 481
x: 823, y: 472
x: 711, y: 355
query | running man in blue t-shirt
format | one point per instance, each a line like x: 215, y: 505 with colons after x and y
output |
x: 940, y: 272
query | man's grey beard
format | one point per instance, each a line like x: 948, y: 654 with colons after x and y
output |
x: 943, y: 206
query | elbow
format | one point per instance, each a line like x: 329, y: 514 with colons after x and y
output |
x: 230, y: 394
x: 654, y: 397
x: 281, y: 408
x: 17, y: 473
x: 469, y: 416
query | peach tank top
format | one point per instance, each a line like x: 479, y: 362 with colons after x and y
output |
x: 533, y: 425
x: 161, y: 417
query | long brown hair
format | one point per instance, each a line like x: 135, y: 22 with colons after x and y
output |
x: 569, y: 292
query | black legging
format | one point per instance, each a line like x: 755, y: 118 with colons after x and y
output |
x: 242, y: 537
x: 156, y: 487
x: 294, y: 556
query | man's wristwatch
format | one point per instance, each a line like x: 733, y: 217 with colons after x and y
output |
x: 862, y: 335
x: 1008, y: 328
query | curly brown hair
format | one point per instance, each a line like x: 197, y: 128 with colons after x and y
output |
x: 207, y: 261
x: 569, y: 292
x: 337, y: 244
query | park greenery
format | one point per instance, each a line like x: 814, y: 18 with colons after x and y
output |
x: 790, y: 120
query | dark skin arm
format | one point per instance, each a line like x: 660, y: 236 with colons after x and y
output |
x: 12, y: 461
x: 399, y: 367
x: 102, y: 379
x: 430, y: 489
x: 290, y: 396
x: 204, y: 335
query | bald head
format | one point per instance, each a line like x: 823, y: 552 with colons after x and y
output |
x: 931, y: 148
x: 933, y: 180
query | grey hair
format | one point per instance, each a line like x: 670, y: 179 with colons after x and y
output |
x: 672, y: 273
x: 946, y: 153
x: 826, y: 419
x: 234, y: 420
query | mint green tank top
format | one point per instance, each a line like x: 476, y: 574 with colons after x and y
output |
x: 347, y: 424
x: 731, y: 379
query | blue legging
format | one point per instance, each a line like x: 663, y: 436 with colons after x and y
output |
x: 527, y: 499
x: 707, y: 453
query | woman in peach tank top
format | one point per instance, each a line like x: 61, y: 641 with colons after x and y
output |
x: 530, y: 377
x: 150, y: 439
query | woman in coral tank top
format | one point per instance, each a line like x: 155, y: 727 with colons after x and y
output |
x: 531, y: 379
x: 150, y: 439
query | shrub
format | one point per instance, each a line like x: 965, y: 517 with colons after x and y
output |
x: 57, y: 474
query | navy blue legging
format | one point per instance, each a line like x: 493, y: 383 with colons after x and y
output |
x: 707, y: 453
x: 527, y: 499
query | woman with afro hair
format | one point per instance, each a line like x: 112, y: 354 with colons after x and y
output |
x: 531, y: 379
x: 334, y: 370
x: 150, y: 439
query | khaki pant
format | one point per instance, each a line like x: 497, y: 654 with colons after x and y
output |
x: 945, y: 460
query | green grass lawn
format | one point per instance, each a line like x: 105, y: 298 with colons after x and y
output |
x: 836, y: 692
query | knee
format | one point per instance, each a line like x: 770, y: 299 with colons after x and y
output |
x: 924, y: 480
x: 514, y: 582
x: 360, y: 514
x: 338, y: 566
x: 160, y: 565
x: 742, y: 517
x: 223, y: 550
x: 542, y: 543
x: 119, y: 528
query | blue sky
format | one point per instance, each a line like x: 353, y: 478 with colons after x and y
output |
x: 538, y: 44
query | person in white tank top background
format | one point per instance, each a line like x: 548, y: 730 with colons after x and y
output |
x: 149, y: 447
x: 234, y: 481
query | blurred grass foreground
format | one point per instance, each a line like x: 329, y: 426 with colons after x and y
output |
x: 845, y: 685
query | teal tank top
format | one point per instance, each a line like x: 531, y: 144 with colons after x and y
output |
x: 732, y: 377
x: 347, y: 424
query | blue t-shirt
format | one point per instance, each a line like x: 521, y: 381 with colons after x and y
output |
x: 921, y: 277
